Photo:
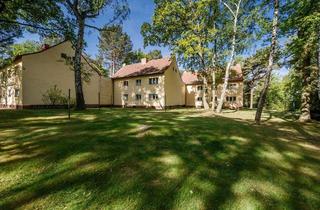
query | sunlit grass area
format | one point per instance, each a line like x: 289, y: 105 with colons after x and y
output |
x: 147, y: 159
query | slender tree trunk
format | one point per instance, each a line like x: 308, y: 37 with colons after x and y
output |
x: 251, y: 97
x: 112, y: 68
x: 319, y: 64
x: 232, y: 54
x: 213, y: 91
x: 80, y: 103
x: 264, y: 92
x: 204, y: 94
x: 213, y: 77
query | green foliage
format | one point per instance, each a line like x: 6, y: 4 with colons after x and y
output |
x: 255, y: 67
x: 277, y: 96
x: 114, y: 46
x: 137, y: 55
x: 44, y: 17
x: 292, y: 90
x: 154, y: 54
x: 303, y: 24
x: 194, y: 30
x: 52, y: 40
x: 11, y: 51
x: 54, y: 96
x: 23, y: 48
x: 187, y: 28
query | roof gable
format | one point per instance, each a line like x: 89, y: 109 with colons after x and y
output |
x: 157, y: 66
x: 86, y: 58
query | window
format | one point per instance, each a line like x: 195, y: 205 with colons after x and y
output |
x: 138, y: 82
x: 232, y: 86
x: 231, y: 99
x: 138, y: 97
x: 199, y: 99
x: 153, y: 81
x: 199, y: 88
x: 153, y: 97
x: 125, y: 97
x: 125, y: 83
x: 16, y: 92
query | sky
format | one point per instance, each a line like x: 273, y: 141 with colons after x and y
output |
x: 140, y: 11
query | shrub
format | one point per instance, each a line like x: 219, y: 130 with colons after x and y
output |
x: 54, y: 96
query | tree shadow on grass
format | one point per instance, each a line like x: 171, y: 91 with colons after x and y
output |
x: 100, y: 160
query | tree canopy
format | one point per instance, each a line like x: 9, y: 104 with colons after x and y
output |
x: 114, y: 47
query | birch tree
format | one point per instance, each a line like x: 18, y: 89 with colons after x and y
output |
x: 234, y: 9
x: 263, y: 94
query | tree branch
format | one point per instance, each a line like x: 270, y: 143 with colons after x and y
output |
x: 25, y: 24
x: 225, y: 4
x: 6, y: 39
x: 94, y: 27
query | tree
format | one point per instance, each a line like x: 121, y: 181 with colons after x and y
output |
x: 136, y: 56
x: 292, y: 88
x: 82, y: 11
x: 153, y: 54
x: 235, y: 14
x: 302, y: 23
x: 254, y: 70
x: 114, y: 47
x: 10, y: 52
x: 41, y: 16
x: 263, y: 94
x: 319, y: 63
x: 188, y: 28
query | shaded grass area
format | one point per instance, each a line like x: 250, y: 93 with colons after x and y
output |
x: 146, y: 159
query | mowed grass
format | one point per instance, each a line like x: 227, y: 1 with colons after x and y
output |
x: 147, y: 159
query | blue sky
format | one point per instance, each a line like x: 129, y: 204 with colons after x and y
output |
x: 141, y: 11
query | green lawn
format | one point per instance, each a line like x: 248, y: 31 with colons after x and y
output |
x: 146, y: 159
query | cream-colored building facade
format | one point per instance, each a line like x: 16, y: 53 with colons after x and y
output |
x: 156, y: 83
x: 32, y: 75
x: 195, y: 90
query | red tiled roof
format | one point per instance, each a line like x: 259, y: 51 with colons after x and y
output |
x: 157, y: 66
x: 190, y: 78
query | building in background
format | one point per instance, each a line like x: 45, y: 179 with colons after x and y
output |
x: 26, y: 82
x: 195, y: 89
x: 156, y: 83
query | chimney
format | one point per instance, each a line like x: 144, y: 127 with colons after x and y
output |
x: 143, y: 61
x: 45, y: 46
